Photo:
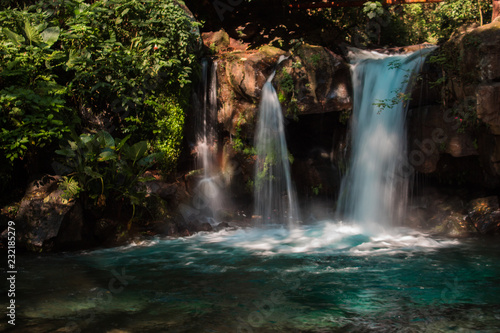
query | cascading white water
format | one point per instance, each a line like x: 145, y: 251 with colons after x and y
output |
x: 274, y: 195
x: 373, y: 193
x: 205, y: 127
x: 205, y: 132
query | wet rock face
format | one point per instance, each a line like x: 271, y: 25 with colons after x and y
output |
x: 465, y: 122
x: 433, y: 133
x: 241, y: 76
x: 311, y: 81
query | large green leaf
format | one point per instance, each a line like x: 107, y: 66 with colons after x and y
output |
x: 149, y: 160
x: 91, y: 173
x: 106, y: 139
x: 31, y: 32
x: 15, y: 38
x: 136, y: 151
x: 122, y: 142
x: 66, y: 152
x: 51, y: 35
x: 107, y: 155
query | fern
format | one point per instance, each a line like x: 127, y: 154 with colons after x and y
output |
x: 70, y: 187
x: 32, y: 33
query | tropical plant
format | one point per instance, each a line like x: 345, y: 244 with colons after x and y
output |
x: 33, y: 106
x: 70, y: 65
x: 107, y: 170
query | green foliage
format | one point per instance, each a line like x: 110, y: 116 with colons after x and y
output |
x: 133, y: 62
x: 418, y: 23
x: 403, y: 25
x: 70, y: 187
x: 166, y: 123
x: 32, y: 101
x: 286, y: 83
x: 123, y: 66
x: 239, y: 145
x: 372, y: 9
x: 316, y: 189
x: 264, y: 175
x: 345, y: 115
x: 287, y: 93
x: 106, y: 169
x: 272, y: 159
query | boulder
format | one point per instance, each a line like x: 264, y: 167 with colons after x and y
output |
x: 313, y: 80
x: 439, y: 213
x: 216, y: 41
x: 241, y: 76
x: 484, y: 214
x: 47, y: 219
x: 434, y: 132
x: 488, y: 105
x: 465, y: 125
x: 473, y: 89
x: 476, y: 53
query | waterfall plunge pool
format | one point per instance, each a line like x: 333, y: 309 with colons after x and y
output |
x: 327, y: 277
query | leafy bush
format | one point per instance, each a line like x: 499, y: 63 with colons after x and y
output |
x: 119, y: 66
x: 129, y: 59
x: 417, y: 23
x: 106, y: 170
x: 32, y: 103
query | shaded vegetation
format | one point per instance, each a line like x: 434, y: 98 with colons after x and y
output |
x: 86, y: 66
x: 272, y: 21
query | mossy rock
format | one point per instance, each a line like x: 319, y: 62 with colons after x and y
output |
x: 313, y: 80
x: 217, y: 41
x: 271, y: 51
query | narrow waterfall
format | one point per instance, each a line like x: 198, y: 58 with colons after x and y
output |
x: 206, y: 122
x: 373, y: 192
x: 275, y: 200
x: 206, y: 143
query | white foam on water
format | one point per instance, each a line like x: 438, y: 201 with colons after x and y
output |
x: 324, y: 237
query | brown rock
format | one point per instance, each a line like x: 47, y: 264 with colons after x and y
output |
x: 241, y: 76
x: 46, y: 218
x: 484, y: 213
x: 434, y: 132
x: 216, y: 41
x: 488, y: 105
x: 314, y: 80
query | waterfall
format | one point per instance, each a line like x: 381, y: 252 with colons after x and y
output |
x: 205, y: 134
x: 373, y: 192
x: 274, y: 195
x: 207, y: 119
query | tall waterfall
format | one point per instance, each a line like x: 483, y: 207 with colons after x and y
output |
x: 206, y: 120
x: 205, y: 132
x: 374, y: 193
x: 274, y: 195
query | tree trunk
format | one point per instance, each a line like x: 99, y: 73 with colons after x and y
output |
x: 496, y: 10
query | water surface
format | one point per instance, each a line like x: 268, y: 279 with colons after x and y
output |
x: 329, y: 277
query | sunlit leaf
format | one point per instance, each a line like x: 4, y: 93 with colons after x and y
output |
x: 15, y: 38
x: 51, y: 35
x: 31, y: 32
